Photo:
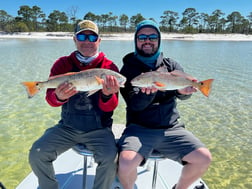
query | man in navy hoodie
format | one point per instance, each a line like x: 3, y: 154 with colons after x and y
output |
x: 152, y: 117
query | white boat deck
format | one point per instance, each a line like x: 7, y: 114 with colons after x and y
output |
x: 69, y: 168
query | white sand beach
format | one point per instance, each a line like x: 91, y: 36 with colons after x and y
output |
x: 129, y: 36
x: 176, y: 36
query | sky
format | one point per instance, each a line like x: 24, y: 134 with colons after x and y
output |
x: 147, y: 8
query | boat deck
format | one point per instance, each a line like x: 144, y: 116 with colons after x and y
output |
x: 69, y: 169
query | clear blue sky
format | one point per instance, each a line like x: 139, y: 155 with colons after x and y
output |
x: 148, y: 8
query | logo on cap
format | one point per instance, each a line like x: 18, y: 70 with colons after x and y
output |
x: 86, y: 25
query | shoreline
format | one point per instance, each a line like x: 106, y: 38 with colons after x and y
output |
x: 129, y: 36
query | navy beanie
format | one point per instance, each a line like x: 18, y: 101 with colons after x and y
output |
x: 148, y: 60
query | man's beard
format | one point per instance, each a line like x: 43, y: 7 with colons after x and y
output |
x: 142, y: 53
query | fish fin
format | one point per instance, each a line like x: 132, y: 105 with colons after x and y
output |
x: 31, y: 88
x: 206, y: 87
x: 61, y: 75
x: 89, y: 93
x: 180, y: 73
x: 159, y: 84
x: 99, y: 80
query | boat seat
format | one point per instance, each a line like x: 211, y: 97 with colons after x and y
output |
x: 155, y: 156
x: 82, y: 150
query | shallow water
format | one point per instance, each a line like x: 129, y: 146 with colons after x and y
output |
x: 222, y: 121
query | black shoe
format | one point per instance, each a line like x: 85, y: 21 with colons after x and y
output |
x: 2, y: 186
x: 202, y: 186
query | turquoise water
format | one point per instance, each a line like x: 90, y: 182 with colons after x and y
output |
x: 222, y: 121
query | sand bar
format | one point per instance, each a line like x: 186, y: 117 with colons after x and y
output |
x: 128, y: 36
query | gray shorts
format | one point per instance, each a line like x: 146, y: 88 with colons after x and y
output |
x: 174, y: 143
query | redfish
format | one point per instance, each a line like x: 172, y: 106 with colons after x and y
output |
x: 88, y: 80
x: 171, y: 81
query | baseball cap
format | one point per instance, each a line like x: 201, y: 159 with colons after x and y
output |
x: 86, y: 25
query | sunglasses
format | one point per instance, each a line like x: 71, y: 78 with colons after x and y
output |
x: 90, y: 37
x: 151, y: 37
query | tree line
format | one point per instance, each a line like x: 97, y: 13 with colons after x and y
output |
x: 33, y: 19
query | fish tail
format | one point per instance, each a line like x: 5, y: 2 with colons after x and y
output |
x: 206, y: 86
x: 31, y: 88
